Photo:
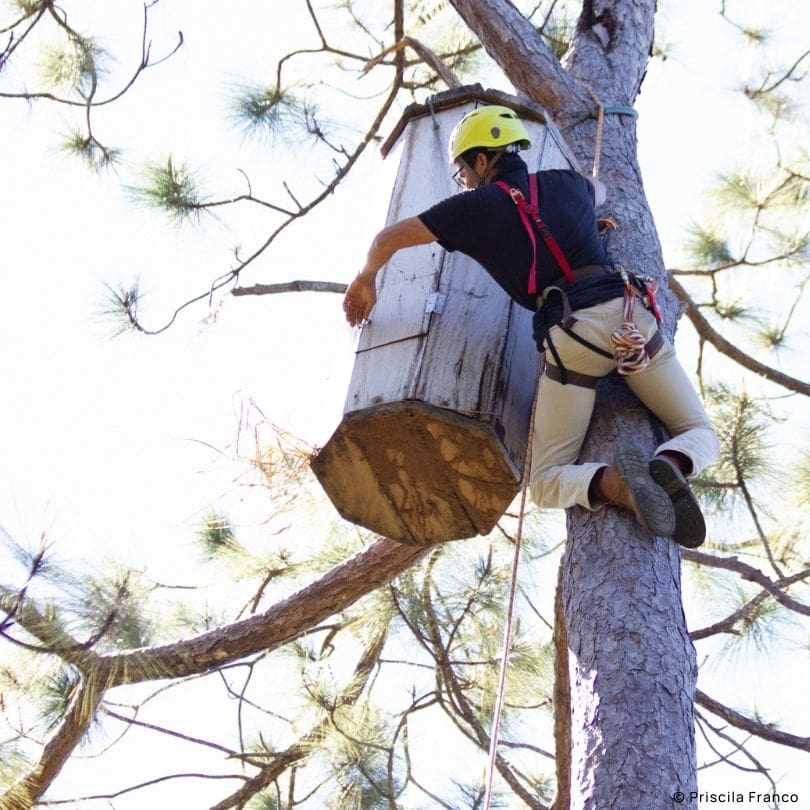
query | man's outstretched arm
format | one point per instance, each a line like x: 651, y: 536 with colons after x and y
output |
x: 362, y: 292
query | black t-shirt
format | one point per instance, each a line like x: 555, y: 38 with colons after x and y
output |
x: 484, y: 224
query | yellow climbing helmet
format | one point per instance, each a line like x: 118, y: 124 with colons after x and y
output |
x: 491, y: 127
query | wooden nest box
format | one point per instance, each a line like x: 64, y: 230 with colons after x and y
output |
x: 433, y: 438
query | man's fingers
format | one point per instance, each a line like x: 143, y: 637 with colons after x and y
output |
x: 354, y: 312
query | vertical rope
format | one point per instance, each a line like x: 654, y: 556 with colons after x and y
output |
x: 507, y: 630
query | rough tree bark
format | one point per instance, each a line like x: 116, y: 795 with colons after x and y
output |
x: 632, y: 665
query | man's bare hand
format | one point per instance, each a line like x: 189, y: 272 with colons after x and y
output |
x: 359, y: 300
x: 362, y: 294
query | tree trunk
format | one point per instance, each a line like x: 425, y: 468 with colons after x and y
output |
x: 632, y: 664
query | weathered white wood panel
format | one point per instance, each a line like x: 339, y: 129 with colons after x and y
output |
x: 411, y: 276
x: 551, y: 155
x: 459, y: 365
x: 432, y: 443
x: 401, y: 312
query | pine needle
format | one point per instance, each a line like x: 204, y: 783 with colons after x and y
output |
x: 94, y: 154
x: 266, y: 111
x: 216, y: 535
x: 57, y: 692
x: 172, y: 188
x: 117, y: 307
x: 708, y: 247
x: 77, y: 65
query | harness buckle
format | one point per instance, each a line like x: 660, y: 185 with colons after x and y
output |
x: 517, y: 196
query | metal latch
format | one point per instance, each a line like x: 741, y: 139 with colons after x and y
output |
x: 435, y: 303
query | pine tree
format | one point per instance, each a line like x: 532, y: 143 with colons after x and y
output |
x: 343, y: 678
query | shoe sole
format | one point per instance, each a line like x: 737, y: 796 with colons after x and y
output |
x: 654, y: 508
x: 690, y: 526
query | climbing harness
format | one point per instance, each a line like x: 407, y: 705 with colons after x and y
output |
x: 600, y: 284
x: 532, y: 209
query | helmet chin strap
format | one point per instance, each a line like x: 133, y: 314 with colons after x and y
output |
x: 486, y: 177
x: 488, y: 174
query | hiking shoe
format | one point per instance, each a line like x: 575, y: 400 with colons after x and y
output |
x: 690, y: 527
x: 627, y: 483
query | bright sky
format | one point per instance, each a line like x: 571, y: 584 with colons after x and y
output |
x: 106, y: 445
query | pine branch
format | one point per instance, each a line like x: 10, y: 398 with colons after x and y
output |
x: 765, y: 88
x: 51, y: 635
x: 133, y: 721
x: 727, y: 625
x: 754, y: 575
x: 15, y: 42
x: 29, y: 787
x: 459, y: 700
x: 426, y: 54
x: 304, y: 747
x: 334, y: 591
x: 756, y: 727
x: 91, y: 102
x: 707, y: 332
x: 140, y: 786
x: 291, y: 286
x: 534, y: 70
x: 738, y: 747
x: 342, y: 171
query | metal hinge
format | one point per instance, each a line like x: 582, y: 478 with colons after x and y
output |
x: 435, y: 303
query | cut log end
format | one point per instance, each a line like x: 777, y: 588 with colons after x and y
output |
x: 417, y: 473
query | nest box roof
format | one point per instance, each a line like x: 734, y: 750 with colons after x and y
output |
x: 524, y: 107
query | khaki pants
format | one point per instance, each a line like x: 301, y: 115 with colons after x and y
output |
x: 563, y: 412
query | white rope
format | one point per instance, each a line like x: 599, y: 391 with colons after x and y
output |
x: 629, y: 346
x: 626, y: 343
x: 507, y: 630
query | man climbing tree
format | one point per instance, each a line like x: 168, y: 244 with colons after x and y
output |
x: 515, y: 241
x: 374, y: 644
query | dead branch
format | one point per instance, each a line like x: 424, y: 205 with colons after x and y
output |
x: 752, y: 726
x: 707, y: 332
x: 308, y: 743
x: 291, y: 286
x: 754, y: 575
x: 426, y: 54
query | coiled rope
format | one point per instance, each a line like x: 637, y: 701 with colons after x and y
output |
x: 629, y: 345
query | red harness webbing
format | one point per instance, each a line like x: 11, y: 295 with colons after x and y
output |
x: 532, y: 209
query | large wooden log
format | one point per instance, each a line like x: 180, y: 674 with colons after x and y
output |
x: 432, y: 442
